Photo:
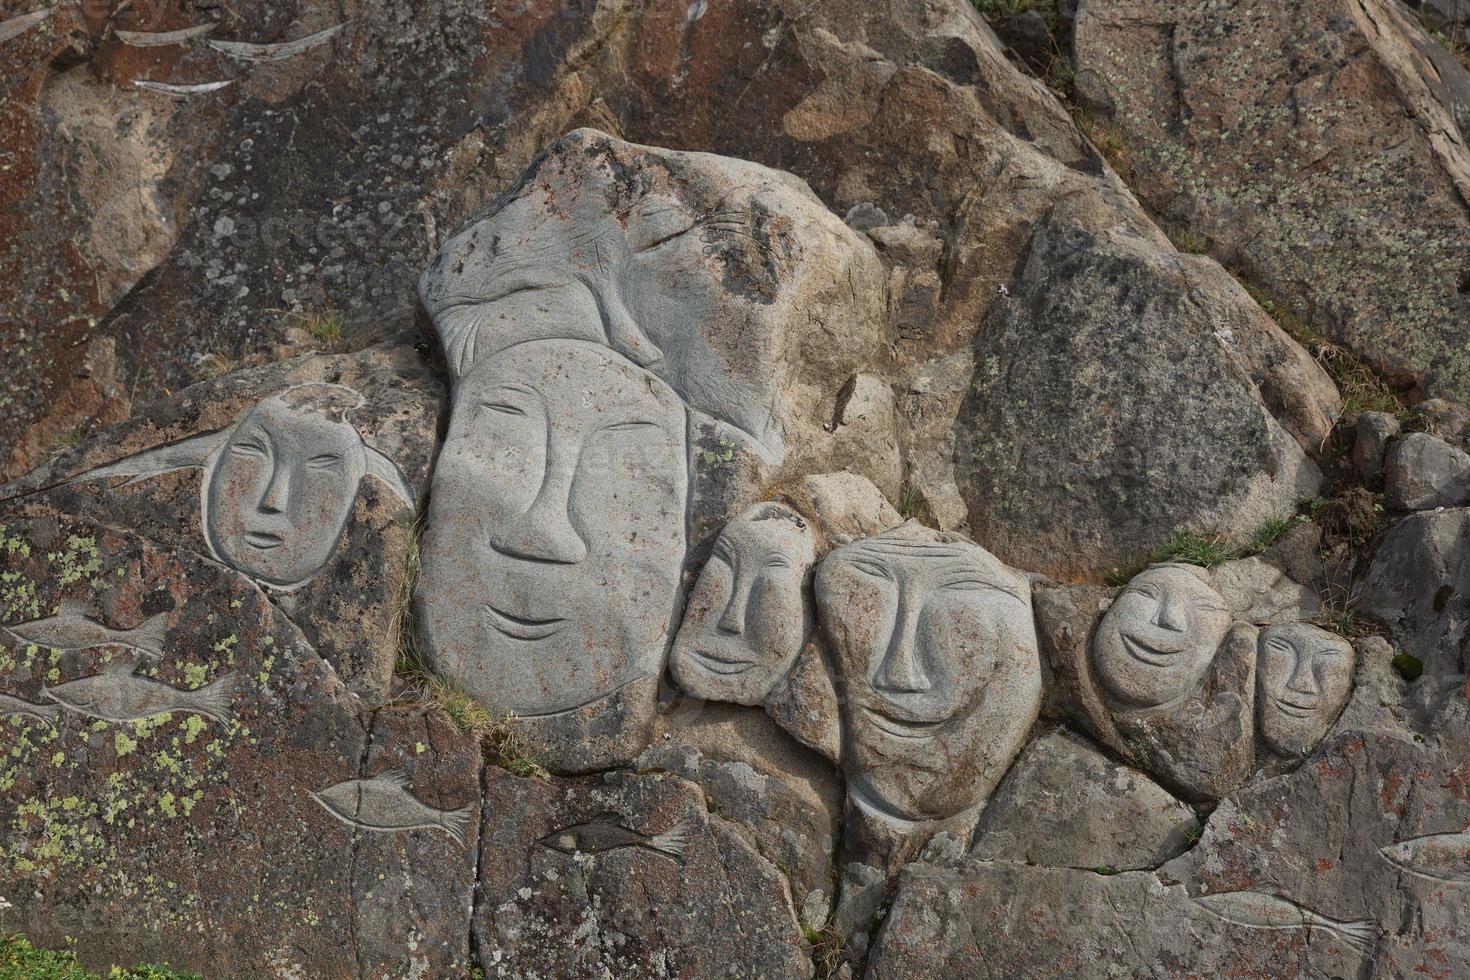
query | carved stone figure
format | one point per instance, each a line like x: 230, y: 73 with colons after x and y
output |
x: 936, y: 654
x: 556, y: 533
x: 747, y: 616
x: 1304, y: 676
x: 1157, y: 640
x: 279, y: 484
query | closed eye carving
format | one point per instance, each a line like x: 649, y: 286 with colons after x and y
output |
x: 249, y: 449
x: 872, y: 568
x: 324, y: 461
x: 777, y: 561
x: 629, y: 425
x: 503, y: 408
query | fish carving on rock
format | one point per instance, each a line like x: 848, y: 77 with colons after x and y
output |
x: 117, y: 694
x: 1257, y: 910
x: 16, y: 706
x: 72, y: 629
x: 383, y: 804
x: 607, y: 832
x: 1445, y: 857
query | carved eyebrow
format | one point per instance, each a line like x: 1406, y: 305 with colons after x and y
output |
x: 978, y: 576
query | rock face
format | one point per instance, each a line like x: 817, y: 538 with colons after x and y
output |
x: 1317, y: 145
x: 697, y: 577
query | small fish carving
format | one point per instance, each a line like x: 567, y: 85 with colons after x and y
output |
x: 181, y: 92
x: 1445, y: 857
x: 72, y: 629
x: 118, y: 694
x: 1257, y: 910
x: 159, y: 39
x: 274, y: 52
x: 383, y: 804
x: 607, y: 832
x: 41, y: 712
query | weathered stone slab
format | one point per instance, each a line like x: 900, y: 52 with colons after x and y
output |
x: 1066, y: 805
x: 180, y: 758
x: 303, y: 475
x: 625, y: 875
x: 1415, y: 585
x: 1423, y: 472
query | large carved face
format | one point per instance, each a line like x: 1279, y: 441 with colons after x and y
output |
x: 281, y: 489
x: 936, y: 652
x: 1303, y: 677
x: 747, y: 616
x: 1159, y: 637
x: 556, y: 528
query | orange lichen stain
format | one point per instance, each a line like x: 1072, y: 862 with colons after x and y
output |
x: 1325, y: 865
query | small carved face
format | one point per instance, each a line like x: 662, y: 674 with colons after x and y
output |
x: 936, y: 651
x: 1303, y: 678
x: 1158, y: 639
x: 281, y: 490
x: 747, y: 616
x: 556, y: 528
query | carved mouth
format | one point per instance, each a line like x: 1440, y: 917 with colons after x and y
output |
x: 724, y: 666
x: 1295, y: 708
x: 900, y: 728
x: 1153, y: 656
x: 264, y: 541
x: 521, y: 628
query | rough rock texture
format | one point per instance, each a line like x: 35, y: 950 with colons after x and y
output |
x: 1415, y: 586
x: 1375, y: 429
x: 198, y: 770
x: 1316, y: 145
x: 333, y: 484
x: 1422, y: 472
x: 1081, y: 337
x: 577, y: 881
x: 1066, y: 805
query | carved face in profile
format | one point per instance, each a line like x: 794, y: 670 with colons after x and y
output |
x: 936, y: 652
x: 1303, y: 677
x: 1159, y: 637
x: 556, y: 528
x: 280, y: 490
x: 747, y: 617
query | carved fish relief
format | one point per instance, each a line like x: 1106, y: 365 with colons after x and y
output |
x: 383, y: 804
x: 1444, y: 857
x: 117, y: 694
x: 607, y: 832
x: 1257, y: 910
x: 40, y: 712
x: 159, y: 39
x: 72, y: 629
x: 274, y: 52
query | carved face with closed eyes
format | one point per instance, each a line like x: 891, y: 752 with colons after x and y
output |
x: 936, y: 651
x: 281, y: 488
x: 1157, y: 640
x: 747, y: 617
x: 1304, y: 675
x: 556, y: 528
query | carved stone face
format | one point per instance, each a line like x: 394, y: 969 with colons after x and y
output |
x: 1303, y: 678
x: 556, y: 528
x: 936, y: 652
x: 1157, y: 640
x: 280, y: 491
x: 747, y: 617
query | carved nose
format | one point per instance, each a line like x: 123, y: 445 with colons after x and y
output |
x: 1171, y: 615
x: 1304, y: 678
x: 901, y: 669
x: 277, y: 494
x: 545, y: 531
x: 732, y: 620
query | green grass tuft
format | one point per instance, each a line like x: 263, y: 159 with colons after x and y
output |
x: 20, y: 960
x: 829, y: 950
x: 1207, y: 551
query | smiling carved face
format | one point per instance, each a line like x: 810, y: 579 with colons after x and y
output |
x: 1159, y: 637
x: 936, y: 652
x: 1303, y: 677
x: 556, y: 528
x: 281, y: 490
x: 747, y: 617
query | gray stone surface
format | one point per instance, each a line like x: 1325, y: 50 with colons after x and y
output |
x: 1422, y: 472
x: 625, y: 876
x: 554, y: 542
x: 1257, y: 591
x: 1375, y: 429
x: 1168, y: 430
x: 936, y: 657
x: 1415, y: 586
x: 1066, y: 805
x: 748, y: 615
